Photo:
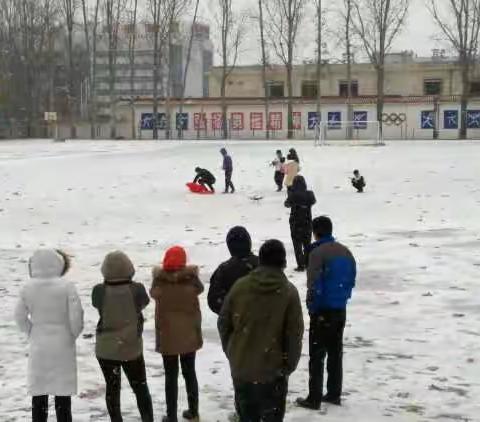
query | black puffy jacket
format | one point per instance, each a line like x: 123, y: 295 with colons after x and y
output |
x: 300, y: 201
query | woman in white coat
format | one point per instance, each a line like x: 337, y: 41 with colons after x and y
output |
x: 49, y: 311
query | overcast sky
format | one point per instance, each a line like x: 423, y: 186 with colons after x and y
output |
x: 417, y: 36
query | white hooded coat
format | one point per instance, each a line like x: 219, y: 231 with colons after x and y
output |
x: 49, y: 311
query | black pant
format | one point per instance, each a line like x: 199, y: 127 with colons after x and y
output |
x: 261, y: 402
x: 359, y: 186
x: 300, y: 246
x: 228, y: 182
x: 137, y: 377
x: 170, y: 364
x: 204, y: 182
x: 326, y: 340
x: 279, y: 176
x: 63, y: 408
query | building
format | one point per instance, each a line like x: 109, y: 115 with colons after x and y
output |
x: 171, y: 70
x: 422, y: 102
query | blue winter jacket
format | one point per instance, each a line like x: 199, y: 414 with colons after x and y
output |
x: 227, y: 164
x: 331, y: 276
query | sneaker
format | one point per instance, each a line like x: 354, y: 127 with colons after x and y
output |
x: 337, y: 401
x: 190, y: 415
x: 307, y: 404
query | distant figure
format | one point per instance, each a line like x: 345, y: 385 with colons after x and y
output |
x: 358, y: 182
x: 204, y: 177
x: 300, y: 201
x: 50, y: 313
x: 261, y: 328
x: 291, y: 167
x: 228, y: 169
x: 279, y: 175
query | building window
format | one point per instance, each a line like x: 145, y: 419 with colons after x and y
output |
x: 309, y: 89
x: 475, y: 88
x: 343, y: 88
x: 276, y: 89
x: 432, y: 86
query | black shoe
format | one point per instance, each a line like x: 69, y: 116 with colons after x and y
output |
x: 167, y: 419
x: 307, y: 404
x: 189, y: 415
x: 300, y: 269
x: 337, y: 401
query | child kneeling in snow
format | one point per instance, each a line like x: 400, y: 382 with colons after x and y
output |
x: 49, y: 311
x: 358, y: 182
x: 178, y: 322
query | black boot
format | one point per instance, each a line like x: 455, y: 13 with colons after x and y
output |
x: 190, y: 415
x: 307, y: 404
x: 337, y: 401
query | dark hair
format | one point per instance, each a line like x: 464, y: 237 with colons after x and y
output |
x: 279, y: 151
x: 356, y: 172
x: 322, y: 226
x: 273, y: 254
x: 293, y: 155
x: 197, y: 169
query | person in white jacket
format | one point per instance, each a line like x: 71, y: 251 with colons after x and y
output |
x: 49, y: 311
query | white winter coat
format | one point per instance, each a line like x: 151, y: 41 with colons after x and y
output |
x: 49, y: 311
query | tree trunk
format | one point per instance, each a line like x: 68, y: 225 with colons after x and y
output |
x: 464, y: 99
x: 224, y: 107
x: 133, y: 40
x: 290, y: 134
x: 155, y: 83
x: 380, y: 96
x: 93, y: 88
x: 319, y: 65
x: 349, y: 71
x: 264, y: 70
x: 187, y: 63
x: 71, y: 82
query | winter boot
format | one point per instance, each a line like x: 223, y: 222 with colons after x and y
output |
x: 190, y: 415
x: 337, y: 401
x: 307, y: 404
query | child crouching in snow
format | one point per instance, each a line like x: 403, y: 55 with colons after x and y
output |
x: 178, y: 322
x: 358, y: 181
x: 50, y: 313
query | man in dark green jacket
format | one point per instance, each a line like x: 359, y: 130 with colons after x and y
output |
x: 261, y: 327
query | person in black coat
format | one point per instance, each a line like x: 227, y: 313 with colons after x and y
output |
x: 204, y: 177
x: 300, y: 201
x: 239, y: 265
x: 358, y: 181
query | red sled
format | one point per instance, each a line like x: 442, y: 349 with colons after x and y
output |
x: 199, y: 189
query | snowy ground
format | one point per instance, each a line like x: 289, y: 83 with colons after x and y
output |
x: 413, y: 339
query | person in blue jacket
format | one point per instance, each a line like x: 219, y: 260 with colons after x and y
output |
x: 228, y: 169
x: 330, y: 279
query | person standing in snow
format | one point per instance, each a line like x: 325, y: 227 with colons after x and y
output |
x: 242, y: 262
x: 120, y: 302
x: 204, y: 177
x: 300, y: 201
x: 49, y: 311
x: 261, y: 328
x: 279, y: 175
x: 291, y: 168
x: 358, y: 181
x: 330, y: 280
x: 228, y: 169
x: 178, y: 324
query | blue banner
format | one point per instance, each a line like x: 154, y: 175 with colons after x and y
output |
x: 473, y: 119
x: 313, y: 120
x: 428, y: 119
x: 334, y: 120
x: 182, y: 121
x: 360, y: 119
x: 450, y: 119
x: 147, y: 121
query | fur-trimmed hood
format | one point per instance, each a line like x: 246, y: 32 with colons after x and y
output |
x: 185, y: 275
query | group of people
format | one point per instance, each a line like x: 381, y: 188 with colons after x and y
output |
x: 260, y: 323
x: 206, y: 179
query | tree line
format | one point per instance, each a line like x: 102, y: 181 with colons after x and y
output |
x: 49, y: 48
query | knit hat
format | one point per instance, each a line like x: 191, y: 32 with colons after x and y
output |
x: 175, y: 259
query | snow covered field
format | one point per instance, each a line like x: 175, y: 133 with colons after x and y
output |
x: 413, y: 337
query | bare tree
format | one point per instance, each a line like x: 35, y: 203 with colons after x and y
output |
x: 90, y: 31
x: 378, y: 23
x: 232, y: 28
x: 69, y: 8
x: 113, y: 13
x: 266, y: 92
x: 285, y: 17
x: 320, y: 24
x: 460, y: 27
x: 132, y: 44
x: 187, y: 61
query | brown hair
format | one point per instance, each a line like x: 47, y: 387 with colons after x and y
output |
x: 67, y: 261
